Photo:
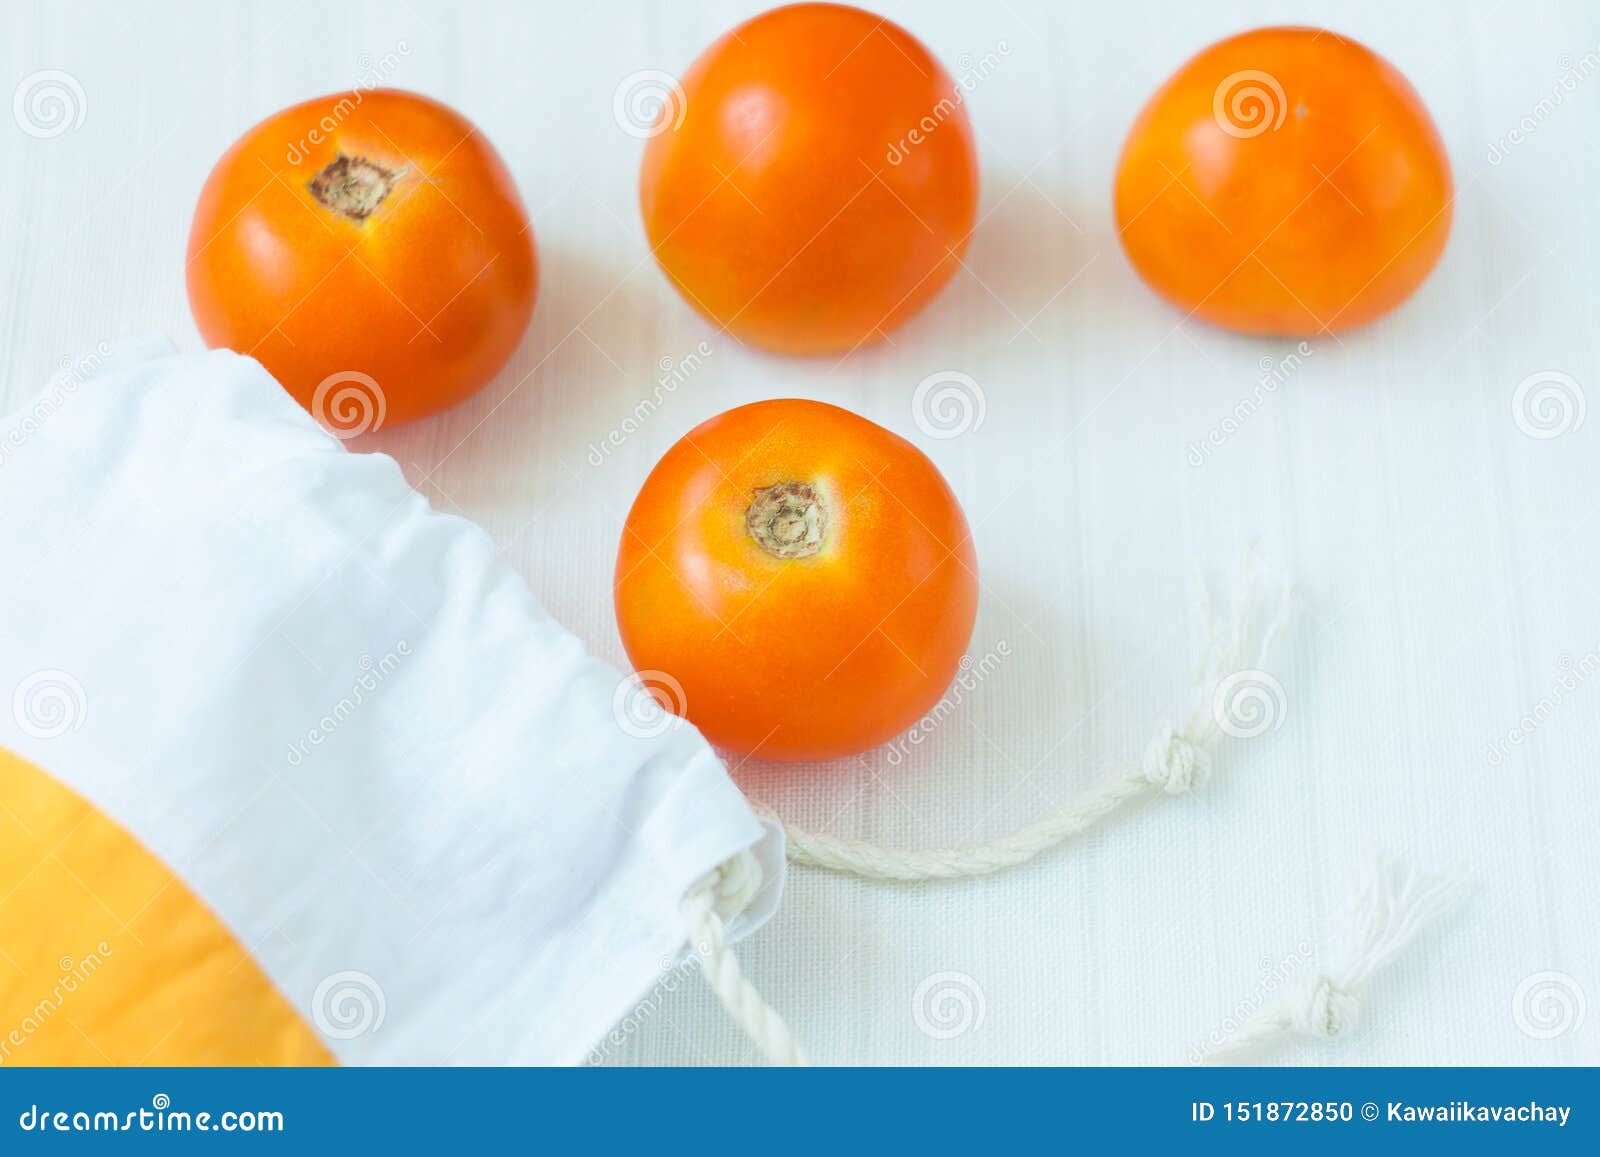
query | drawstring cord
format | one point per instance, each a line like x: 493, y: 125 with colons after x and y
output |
x: 716, y: 898
x: 1390, y: 907
x: 1231, y: 695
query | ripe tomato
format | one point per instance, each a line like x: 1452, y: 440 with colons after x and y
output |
x: 370, y: 250
x: 797, y: 581
x: 816, y: 183
x: 1286, y: 181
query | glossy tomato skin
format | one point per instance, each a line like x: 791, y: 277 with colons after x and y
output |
x: 1285, y: 181
x: 822, y: 183
x: 797, y: 658
x: 427, y: 295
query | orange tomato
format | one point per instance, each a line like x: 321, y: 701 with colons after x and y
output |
x: 1285, y: 181
x: 816, y: 183
x: 797, y: 581
x: 370, y: 250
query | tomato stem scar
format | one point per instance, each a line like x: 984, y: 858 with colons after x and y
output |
x: 787, y: 520
x: 353, y: 186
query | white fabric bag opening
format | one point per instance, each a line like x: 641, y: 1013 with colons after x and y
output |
x: 346, y: 723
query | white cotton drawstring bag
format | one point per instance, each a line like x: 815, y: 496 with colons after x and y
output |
x: 349, y: 727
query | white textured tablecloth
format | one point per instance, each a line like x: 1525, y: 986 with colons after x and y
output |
x: 1447, y: 558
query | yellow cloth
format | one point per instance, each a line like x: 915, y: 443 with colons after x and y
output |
x: 106, y: 957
